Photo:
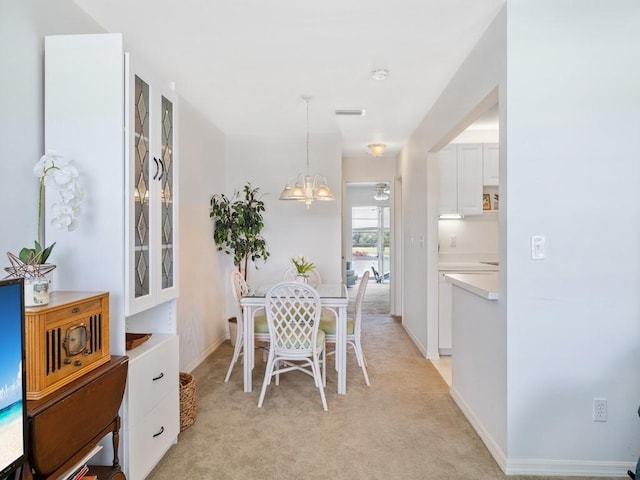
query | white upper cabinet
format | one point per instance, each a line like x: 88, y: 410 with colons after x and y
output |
x: 117, y: 121
x: 151, y: 190
x: 470, y: 179
x: 460, y: 178
x: 490, y: 165
x: 448, y: 179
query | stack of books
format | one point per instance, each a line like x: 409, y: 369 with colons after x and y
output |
x: 81, y: 474
x: 81, y: 470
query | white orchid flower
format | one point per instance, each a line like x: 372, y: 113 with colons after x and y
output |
x: 62, y: 221
x: 71, y: 193
x: 65, y: 175
x: 48, y: 161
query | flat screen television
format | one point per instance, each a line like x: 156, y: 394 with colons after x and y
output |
x: 13, y: 408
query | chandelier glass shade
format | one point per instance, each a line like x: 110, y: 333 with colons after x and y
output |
x: 376, y: 149
x: 308, y: 188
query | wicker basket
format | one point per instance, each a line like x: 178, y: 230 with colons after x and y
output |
x: 187, y: 400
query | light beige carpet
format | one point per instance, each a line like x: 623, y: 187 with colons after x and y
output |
x: 405, y: 426
x: 376, y: 298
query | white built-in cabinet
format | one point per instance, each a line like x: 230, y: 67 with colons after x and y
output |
x: 464, y: 169
x: 460, y: 167
x: 117, y: 122
x: 490, y: 164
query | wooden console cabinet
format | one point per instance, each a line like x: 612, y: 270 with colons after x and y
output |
x: 66, y: 425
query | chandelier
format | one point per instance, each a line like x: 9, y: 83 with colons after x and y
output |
x: 381, y: 192
x: 307, y: 188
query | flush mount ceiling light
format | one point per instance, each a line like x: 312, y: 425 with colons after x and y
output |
x: 376, y: 149
x: 379, y: 74
x: 382, y: 192
x: 308, y: 188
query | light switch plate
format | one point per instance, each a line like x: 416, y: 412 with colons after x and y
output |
x: 538, y: 247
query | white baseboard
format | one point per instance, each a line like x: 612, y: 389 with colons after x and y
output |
x: 203, y: 355
x: 568, y: 468
x: 541, y: 467
x: 494, y: 449
x: 415, y: 340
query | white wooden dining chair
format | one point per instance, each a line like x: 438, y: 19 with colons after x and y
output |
x: 313, y: 276
x: 260, y: 326
x: 293, y: 316
x: 354, y: 327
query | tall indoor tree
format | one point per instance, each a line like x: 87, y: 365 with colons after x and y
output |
x: 238, y: 224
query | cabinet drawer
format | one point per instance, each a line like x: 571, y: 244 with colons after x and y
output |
x: 152, y: 437
x: 152, y: 377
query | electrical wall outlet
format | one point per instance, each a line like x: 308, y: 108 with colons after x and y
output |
x: 599, y: 409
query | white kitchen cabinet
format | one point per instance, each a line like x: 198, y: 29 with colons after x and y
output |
x: 124, y: 144
x: 445, y: 344
x: 151, y: 190
x: 490, y: 164
x: 460, y: 178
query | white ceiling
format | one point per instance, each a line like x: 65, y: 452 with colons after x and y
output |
x: 245, y: 63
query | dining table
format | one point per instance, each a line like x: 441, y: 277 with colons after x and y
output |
x: 332, y: 296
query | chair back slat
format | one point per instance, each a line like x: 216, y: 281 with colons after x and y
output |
x: 240, y: 288
x: 357, y: 308
x: 293, y: 314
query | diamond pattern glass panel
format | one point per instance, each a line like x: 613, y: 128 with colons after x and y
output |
x: 166, y: 190
x: 141, y: 187
x: 142, y: 272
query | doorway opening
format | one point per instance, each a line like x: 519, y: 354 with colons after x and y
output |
x: 468, y: 223
x: 369, y: 243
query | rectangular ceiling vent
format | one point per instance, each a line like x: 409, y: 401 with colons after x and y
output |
x: 356, y: 113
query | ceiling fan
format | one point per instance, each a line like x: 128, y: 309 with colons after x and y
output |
x: 381, y: 192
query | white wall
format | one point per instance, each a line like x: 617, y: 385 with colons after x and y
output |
x: 23, y: 24
x: 202, y: 303
x: 476, y: 238
x: 568, y: 128
x: 573, y: 170
x: 269, y: 162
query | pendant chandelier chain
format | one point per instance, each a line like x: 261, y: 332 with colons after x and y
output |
x: 307, y: 99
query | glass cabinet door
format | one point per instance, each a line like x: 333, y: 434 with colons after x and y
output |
x: 151, y: 215
x: 141, y: 189
x: 167, y: 259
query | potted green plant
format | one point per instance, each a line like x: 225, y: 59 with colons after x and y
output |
x: 238, y: 225
x: 303, y: 266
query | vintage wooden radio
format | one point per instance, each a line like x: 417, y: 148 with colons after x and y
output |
x: 65, y: 339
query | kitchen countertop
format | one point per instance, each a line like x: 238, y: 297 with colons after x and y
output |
x: 484, y: 285
x: 467, y: 267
